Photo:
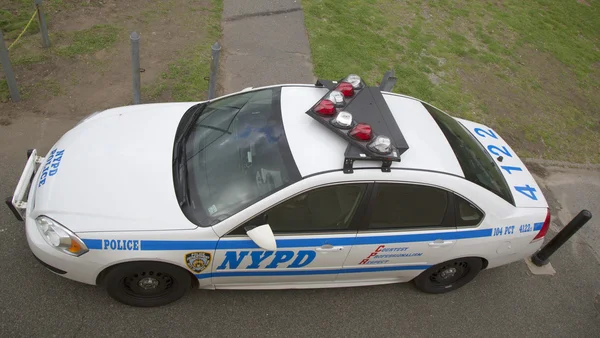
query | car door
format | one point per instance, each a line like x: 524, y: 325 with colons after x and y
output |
x: 407, y: 228
x: 314, y: 231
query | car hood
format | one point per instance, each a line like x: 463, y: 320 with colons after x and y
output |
x: 113, y: 172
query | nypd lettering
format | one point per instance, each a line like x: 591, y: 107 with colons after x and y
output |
x: 51, y: 166
x: 120, y: 244
x: 266, y: 259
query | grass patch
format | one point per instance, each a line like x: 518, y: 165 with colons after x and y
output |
x: 29, y: 59
x: 14, y: 16
x: 90, y: 40
x: 4, y: 94
x: 184, y: 78
x: 526, y: 68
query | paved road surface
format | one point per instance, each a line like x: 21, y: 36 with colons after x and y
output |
x: 264, y: 43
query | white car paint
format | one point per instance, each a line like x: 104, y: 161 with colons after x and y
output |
x: 316, y: 149
x: 120, y: 160
x: 114, y: 188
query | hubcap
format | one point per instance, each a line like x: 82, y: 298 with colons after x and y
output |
x: 447, y: 275
x: 148, y: 283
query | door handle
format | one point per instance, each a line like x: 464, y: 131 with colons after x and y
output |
x: 438, y: 243
x: 329, y: 248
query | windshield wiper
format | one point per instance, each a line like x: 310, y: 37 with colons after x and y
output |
x: 182, y: 174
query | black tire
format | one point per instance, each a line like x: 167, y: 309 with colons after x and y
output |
x: 147, y: 284
x: 448, y: 276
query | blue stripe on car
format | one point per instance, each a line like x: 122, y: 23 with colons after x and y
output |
x: 224, y: 244
x: 254, y: 273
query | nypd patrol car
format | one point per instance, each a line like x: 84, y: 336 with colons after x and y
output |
x: 291, y: 186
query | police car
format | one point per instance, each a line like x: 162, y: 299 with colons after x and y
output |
x: 291, y: 186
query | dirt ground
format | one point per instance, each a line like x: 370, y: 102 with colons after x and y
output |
x: 552, y: 90
x: 77, y: 85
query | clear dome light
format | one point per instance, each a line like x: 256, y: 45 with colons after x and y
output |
x: 342, y: 120
x: 337, y: 98
x: 354, y: 80
x: 381, y: 145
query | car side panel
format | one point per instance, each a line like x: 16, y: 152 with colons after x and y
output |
x: 508, y: 239
x: 108, y: 249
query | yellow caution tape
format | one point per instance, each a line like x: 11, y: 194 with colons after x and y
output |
x: 24, y: 29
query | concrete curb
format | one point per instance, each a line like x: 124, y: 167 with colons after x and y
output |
x: 554, y: 163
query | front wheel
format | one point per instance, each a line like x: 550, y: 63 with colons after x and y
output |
x: 147, y: 284
x: 448, y: 276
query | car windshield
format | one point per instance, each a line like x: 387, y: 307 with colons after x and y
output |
x: 477, y: 165
x: 236, y: 153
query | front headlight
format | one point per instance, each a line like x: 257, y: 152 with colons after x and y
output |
x: 59, y: 237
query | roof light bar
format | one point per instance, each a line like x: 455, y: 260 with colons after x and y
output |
x: 360, y: 115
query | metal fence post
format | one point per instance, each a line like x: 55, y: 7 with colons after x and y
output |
x: 42, y: 21
x: 135, y: 65
x: 542, y: 257
x: 214, y: 70
x: 8, y: 71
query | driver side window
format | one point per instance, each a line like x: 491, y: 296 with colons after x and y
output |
x: 326, y: 209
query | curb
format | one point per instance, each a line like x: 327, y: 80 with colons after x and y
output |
x: 554, y: 163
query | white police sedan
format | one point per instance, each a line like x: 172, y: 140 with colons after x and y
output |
x: 290, y: 186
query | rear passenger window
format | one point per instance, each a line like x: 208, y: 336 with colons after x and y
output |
x: 408, y: 206
x: 466, y: 213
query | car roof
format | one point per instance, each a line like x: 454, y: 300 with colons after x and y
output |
x: 316, y: 149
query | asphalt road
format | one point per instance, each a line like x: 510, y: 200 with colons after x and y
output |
x: 506, y: 301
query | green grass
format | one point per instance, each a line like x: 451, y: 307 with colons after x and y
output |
x: 90, y: 40
x: 529, y: 69
x: 4, y: 95
x: 184, y: 78
x: 14, y: 16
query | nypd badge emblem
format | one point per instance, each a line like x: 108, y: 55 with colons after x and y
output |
x: 198, y: 261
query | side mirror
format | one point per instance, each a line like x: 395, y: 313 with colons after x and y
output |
x: 262, y: 236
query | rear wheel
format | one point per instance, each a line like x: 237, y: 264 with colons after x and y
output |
x: 147, y: 284
x: 448, y: 276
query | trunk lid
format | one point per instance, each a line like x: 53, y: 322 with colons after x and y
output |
x: 524, y: 189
